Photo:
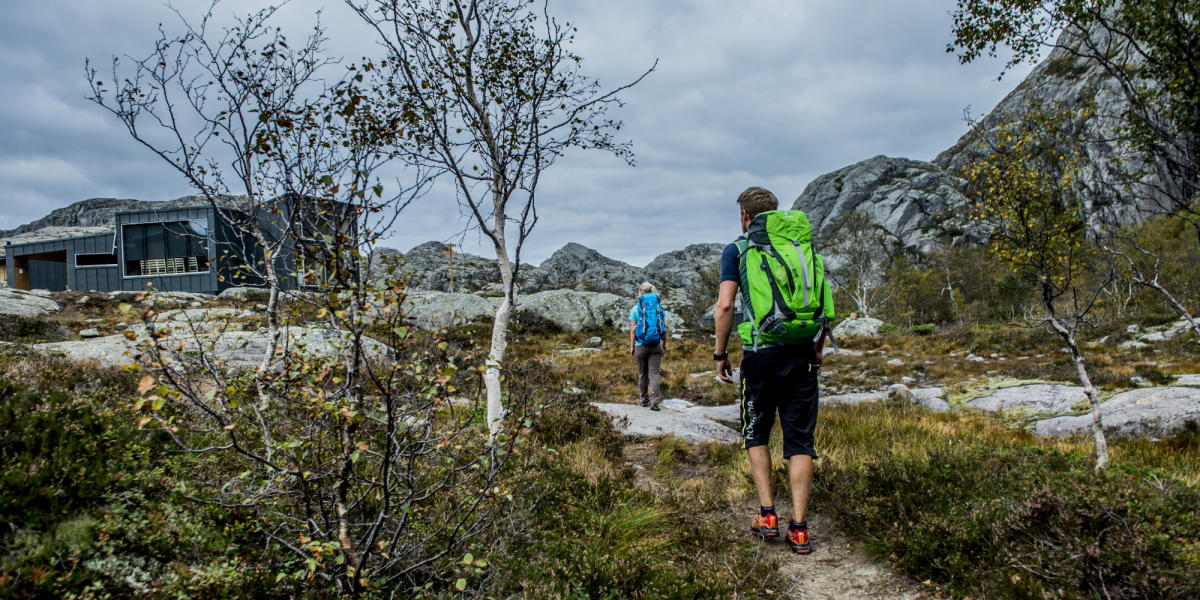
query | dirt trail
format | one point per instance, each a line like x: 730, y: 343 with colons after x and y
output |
x: 837, y: 569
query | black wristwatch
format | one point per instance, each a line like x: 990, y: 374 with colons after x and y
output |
x: 721, y: 356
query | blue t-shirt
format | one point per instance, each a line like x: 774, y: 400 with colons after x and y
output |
x: 730, y: 271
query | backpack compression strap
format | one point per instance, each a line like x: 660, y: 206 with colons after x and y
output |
x: 804, y: 270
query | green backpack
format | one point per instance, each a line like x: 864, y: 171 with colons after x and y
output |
x: 785, y: 298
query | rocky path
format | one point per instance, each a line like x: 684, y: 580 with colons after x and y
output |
x: 838, y: 568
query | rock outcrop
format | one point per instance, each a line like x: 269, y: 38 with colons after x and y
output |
x: 572, y: 310
x: 579, y: 267
x: 229, y: 350
x: 692, y: 424
x: 430, y: 266
x: 431, y: 310
x: 680, y: 269
x: 1063, y: 410
x: 1142, y: 413
x: 1065, y: 80
x: 1038, y: 398
x: 909, y: 198
x: 25, y: 304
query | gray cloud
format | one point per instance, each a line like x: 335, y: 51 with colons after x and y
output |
x: 764, y: 92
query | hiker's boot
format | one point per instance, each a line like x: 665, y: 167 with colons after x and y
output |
x: 798, y: 538
x: 654, y: 405
x: 766, y: 526
x: 645, y: 401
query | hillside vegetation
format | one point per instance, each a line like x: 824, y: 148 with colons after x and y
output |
x: 100, y: 504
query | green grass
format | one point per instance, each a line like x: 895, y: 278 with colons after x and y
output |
x: 988, y: 511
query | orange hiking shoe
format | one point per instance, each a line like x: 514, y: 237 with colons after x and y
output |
x: 765, y: 526
x: 798, y: 538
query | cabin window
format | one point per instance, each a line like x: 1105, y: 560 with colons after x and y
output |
x: 95, y: 260
x: 169, y: 248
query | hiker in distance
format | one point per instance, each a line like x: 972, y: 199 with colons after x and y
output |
x: 648, y: 342
x: 787, y: 307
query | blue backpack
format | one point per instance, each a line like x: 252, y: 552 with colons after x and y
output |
x: 650, y: 325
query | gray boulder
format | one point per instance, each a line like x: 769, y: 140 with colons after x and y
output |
x: 196, y: 315
x: 228, y: 350
x: 432, y: 310
x: 157, y: 298
x: 860, y: 327
x: 1190, y: 380
x: 568, y: 310
x: 25, y: 304
x: 574, y: 311
x: 927, y: 397
x: 1142, y: 413
x: 384, y: 262
x: 244, y: 293
x: 1042, y: 397
x: 899, y: 393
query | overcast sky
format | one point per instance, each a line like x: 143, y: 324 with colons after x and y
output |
x: 757, y: 92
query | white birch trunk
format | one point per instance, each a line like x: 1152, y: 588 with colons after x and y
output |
x: 491, y: 374
x: 1081, y: 371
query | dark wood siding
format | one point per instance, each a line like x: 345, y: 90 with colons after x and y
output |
x: 97, y: 278
x: 62, y: 274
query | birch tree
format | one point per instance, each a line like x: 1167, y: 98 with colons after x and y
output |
x: 342, y: 441
x: 860, y: 256
x: 1026, y: 193
x: 497, y: 97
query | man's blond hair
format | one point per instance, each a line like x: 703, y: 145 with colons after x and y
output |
x: 756, y: 200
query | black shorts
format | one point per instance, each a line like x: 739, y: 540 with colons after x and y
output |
x: 782, y: 379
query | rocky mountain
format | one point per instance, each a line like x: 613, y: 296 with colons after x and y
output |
x: 428, y: 267
x: 97, y: 212
x: 910, y: 198
x: 93, y: 212
x: 577, y: 266
x: 431, y: 266
x: 916, y: 200
x: 680, y: 269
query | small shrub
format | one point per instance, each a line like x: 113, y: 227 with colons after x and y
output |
x: 15, y: 328
x: 923, y: 329
x: 671, y: 452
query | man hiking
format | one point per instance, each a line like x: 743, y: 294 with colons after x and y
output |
x: 786, y: 307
